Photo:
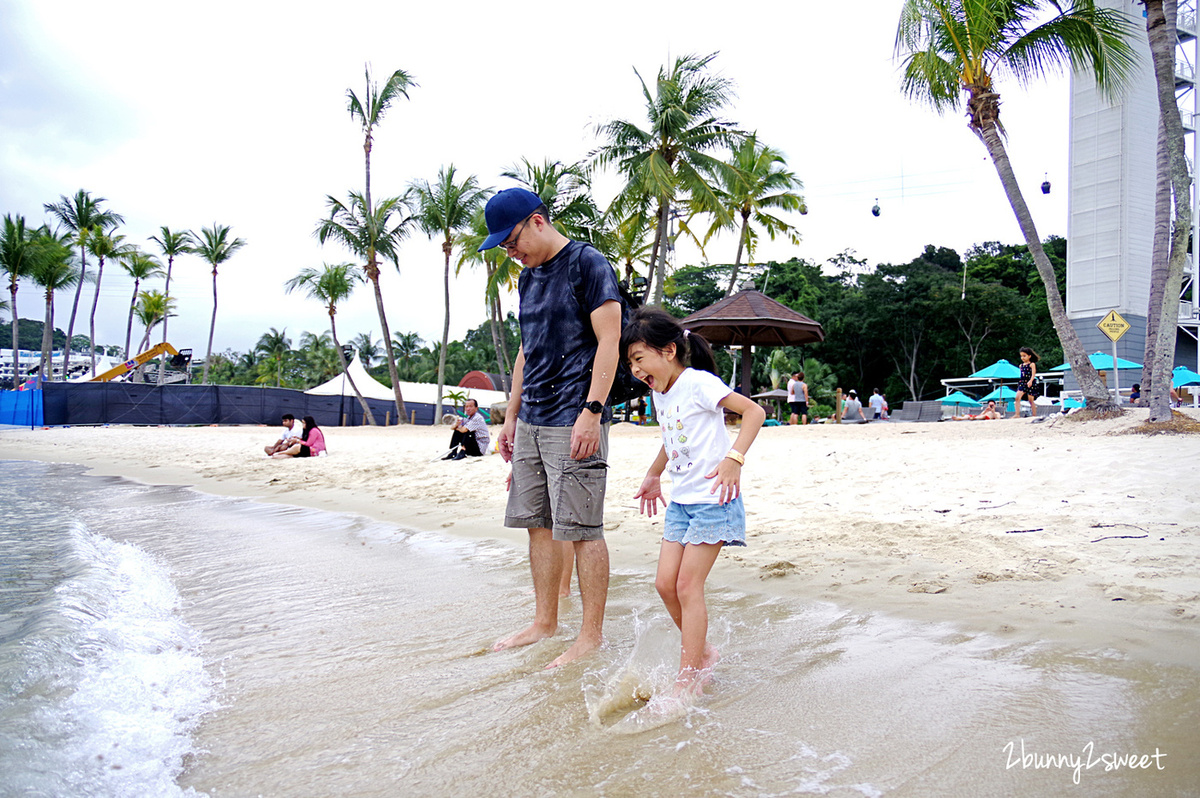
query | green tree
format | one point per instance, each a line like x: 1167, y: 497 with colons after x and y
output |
x: 368, y: 349
x: 82, y: 216
x: 275, y: 346
x: 407, y: 347
x: 333, y: 284
x: 18, y: 255
x: 502, y: 272
x: 445, y: 208
x: 215, y: 247
x: 140, y: 266
x: 152, y: 307
x: 371, y: 232
x: 102, y: 244
x: 369, y: 110
x: 172, y: 244
x: 566, y: 191
x: 757, y: 182
x: 53, y: 271
x: 952, y: 47
x: 669, y: 160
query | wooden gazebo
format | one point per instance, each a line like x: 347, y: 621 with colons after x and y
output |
x: 750, y: 318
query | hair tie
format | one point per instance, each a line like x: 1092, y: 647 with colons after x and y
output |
x: 685, y: 333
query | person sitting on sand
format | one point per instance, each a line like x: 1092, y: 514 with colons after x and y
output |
x: 853, y: 407
x: 1135, y: 395
x: 291, y: 429
x: 470, y: 437
x: 310, y: 444
x: 989, y: 413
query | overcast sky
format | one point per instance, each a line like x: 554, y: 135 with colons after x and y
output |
x: 235, y: 112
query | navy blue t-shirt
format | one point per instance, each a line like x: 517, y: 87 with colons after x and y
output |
x: 557, y: 336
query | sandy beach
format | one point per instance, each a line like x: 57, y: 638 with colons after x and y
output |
x: 1058, y: 531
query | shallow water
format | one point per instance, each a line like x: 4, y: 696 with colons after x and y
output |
x: 348, y: 657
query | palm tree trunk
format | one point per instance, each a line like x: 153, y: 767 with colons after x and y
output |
x: 45, y: 371
x: 366, y: 408
x: 162, y: 368
x: 737, y: 262
x: 92, y: 317
x: 373, y: 274
x: 15, y: 337
x: 1172, y: 157
x: 498, y: 342
x: 1094, y: 393
x: 660, y: 251
x: 441, y: 377
x: 75, y: 305
x: 129, y: 323
x: 212, y: 329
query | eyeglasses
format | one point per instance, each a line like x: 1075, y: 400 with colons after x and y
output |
x: 511, y: 244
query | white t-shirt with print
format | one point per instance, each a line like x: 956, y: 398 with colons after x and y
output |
x: 693, y: 433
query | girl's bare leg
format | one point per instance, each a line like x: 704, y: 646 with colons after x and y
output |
x: 670, y: 556
x: 696, y: 654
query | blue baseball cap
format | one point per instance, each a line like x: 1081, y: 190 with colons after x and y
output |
x: 505, y: 211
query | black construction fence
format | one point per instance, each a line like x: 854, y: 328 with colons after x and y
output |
x: 135, y: 403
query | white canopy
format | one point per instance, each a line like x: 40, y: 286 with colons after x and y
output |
x: 422, y: 392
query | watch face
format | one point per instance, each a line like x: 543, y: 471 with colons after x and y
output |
x: 595, y: 407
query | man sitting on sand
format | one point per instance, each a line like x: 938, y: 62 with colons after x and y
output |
x: 291, y: 429
x: 470, y: 438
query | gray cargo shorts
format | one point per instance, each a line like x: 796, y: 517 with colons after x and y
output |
x: 552, y: 491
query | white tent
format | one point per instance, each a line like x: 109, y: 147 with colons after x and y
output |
x: 420, y: 392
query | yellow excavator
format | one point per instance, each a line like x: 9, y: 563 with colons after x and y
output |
x: 179, y: 361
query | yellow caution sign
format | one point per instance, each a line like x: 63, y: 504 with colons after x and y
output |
x: 1113, y: 326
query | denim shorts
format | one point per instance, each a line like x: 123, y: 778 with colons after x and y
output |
x: 706, y: 523
x: 550, y: 490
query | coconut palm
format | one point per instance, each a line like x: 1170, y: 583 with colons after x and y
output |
x: 140, y: 266
x: 152, y: 307
x: 1170, y: 240
x: 18, y: 255
x: 371, y: 232
x: 53, y: 271
x: 369, y: 110
x: 368, y: 349
x: 446, y: 208
x: 670, y: 160
x: 502, y: 272
x: 275, y: 346
x: 81, y: 216
x: 952, y: 48
x: 215, y: 247
x: 566, y: 192
x: 407, y: 346
x: 102, y: 244
x: 758, y: 181
x: 334, y: 283
x: 171, y: 243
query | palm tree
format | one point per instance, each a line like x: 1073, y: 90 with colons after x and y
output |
x: 322, y: 362
x: 669, y: 160
x: 446, y: 208
x: 407, y: 346
x: 331, y: 285
x: 275, y: 347
x: 103, y: 244
x: 954, y: 47
x: 758, y: 180
x: 371, y: 231
x: 214, y: 246
x: 81, y: 216
x: 170, y: 243
x: 567, y: 193
x: 53, y: 271
x: 152, y: 307
x: 368, y: 349
x: 1170, y: 241
x: 18, y: 256
x: 502, y: 272
x: 140, y: 266
x: 369, y: 110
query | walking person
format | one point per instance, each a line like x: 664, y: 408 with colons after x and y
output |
x: 706, y: 511
x: 1027, y: 386
x: 555, y: 431
x: 877, y: 404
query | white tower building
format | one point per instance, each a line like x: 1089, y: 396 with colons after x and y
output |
x: 1110, y: 223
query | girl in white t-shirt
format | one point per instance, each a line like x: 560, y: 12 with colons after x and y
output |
x: 705, y: 512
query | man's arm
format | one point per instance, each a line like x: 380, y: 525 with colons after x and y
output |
x: 509, y: 430
x: 606, y: 324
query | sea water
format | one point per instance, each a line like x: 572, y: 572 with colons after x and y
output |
x: 158, y: 641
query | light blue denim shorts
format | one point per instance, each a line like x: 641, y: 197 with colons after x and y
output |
x: 706, y: 523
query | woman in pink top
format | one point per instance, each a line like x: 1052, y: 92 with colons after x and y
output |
x: 311, y: 445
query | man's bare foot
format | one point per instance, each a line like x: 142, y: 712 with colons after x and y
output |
x: 530, y: 634
x: 579, y: 648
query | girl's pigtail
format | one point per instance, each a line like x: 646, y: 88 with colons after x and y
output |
x: 700, y: 354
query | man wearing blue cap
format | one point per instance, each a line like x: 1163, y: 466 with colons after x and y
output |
x: 555, y: 432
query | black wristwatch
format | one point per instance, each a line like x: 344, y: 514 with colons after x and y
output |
x: 594, y: 406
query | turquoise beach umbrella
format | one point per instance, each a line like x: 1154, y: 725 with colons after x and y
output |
x: 959, y: 398
x: 1072, y: 403
x: 1000, y: 370
x: 1102, y: 362
x: 1184, y: 377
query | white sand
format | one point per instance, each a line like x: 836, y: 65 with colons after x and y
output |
x: 994, y: 525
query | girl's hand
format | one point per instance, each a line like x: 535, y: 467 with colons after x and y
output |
x: 650, y: 494
x: 728, y: 474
